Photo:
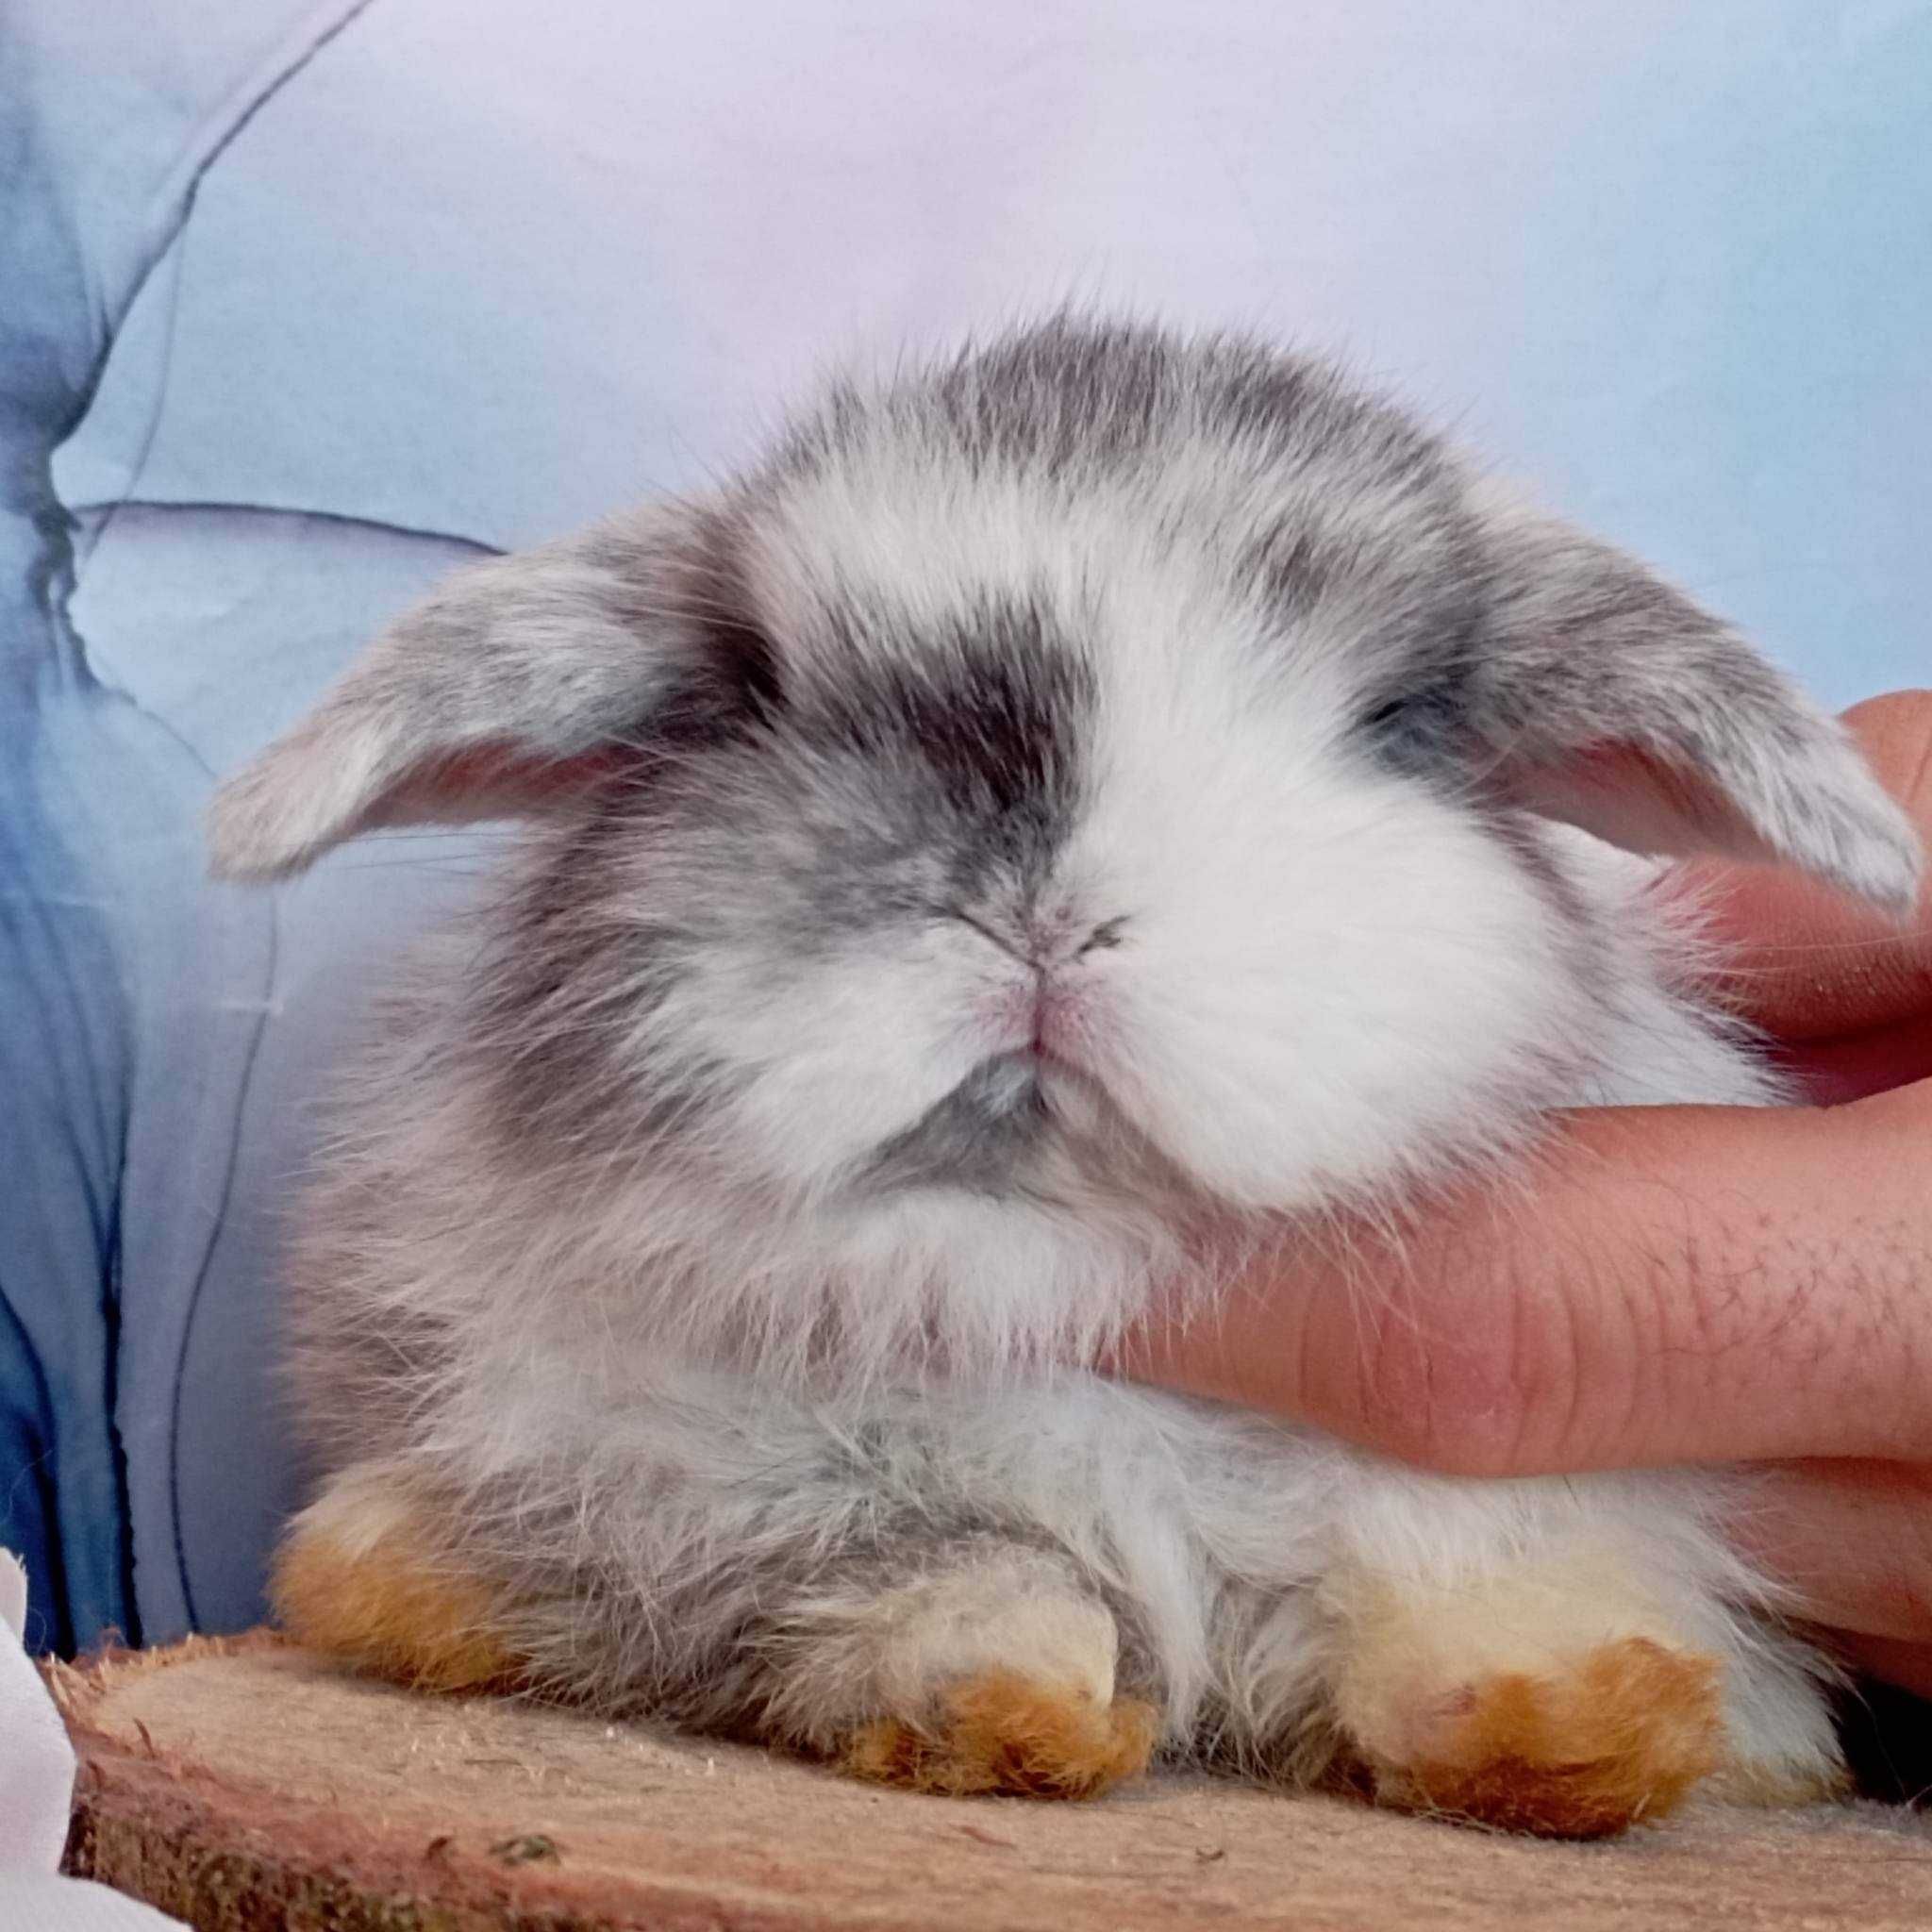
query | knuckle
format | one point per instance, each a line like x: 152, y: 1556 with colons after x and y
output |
x: 1476, y: 1384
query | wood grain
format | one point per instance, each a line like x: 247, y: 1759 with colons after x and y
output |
x: 245, y: 1787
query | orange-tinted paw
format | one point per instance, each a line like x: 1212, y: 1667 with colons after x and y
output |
x: 1000, y: 1731
x: 389, y: 1609
x: 1588, y: 1752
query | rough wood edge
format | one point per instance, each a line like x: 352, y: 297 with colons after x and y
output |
x: 233, y: 1856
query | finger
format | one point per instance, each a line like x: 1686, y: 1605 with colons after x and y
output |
x: 1891, y: 1661
x: 1677, y: 1284
x: 1853, y: 1538
x: 1836, y: 1071
x: 1807, y: 963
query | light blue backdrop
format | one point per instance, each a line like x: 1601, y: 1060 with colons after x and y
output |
x: 301, y: 303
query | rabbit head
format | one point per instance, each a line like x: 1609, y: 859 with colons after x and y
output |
x: 1096, y: 780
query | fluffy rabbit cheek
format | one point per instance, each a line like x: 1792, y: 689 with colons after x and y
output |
x: 854, y: 1048
x: 1329, y: 991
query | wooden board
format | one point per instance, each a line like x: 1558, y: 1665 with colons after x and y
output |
x: 245, y: 1787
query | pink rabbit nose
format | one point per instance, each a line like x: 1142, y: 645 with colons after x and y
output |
x: 1063, y: 940
x: 1048, y: 1013
x: 1064, y: 998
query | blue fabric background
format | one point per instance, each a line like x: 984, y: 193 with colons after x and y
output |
x: 302, y: 303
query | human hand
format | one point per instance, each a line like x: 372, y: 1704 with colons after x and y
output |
x: 1685, y: 1284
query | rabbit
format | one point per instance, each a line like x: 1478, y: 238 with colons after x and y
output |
x: 1077, y: 813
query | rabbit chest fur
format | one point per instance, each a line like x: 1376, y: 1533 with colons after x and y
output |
x: 1071, y: 819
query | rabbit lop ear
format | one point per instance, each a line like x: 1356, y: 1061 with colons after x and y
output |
x: 1609, y: 700
x: 513, y: 684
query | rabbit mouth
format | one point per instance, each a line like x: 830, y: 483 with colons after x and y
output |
x: 1024, y: 1125
x: 983, y: 1136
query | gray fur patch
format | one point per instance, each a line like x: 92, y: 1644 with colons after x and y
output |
x: 982, y: 727
x: 979, y: 1137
